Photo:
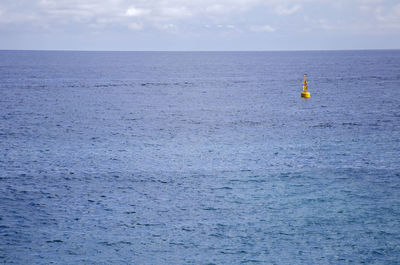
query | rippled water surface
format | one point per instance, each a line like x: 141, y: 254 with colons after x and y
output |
x: 199, y: 158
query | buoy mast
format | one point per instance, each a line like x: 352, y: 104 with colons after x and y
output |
x: 305, y: 93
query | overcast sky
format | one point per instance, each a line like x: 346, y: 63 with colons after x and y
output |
x: 199, y: 24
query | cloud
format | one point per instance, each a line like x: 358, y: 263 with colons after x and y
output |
x: 389, y: 18
x: 216, y: 9
x: 137, y: 12
x: 262, y: 28
x: 72, y: 11
x: 175, y: 12
x: 77, y: 10
x: 167, y: 27
x: 189, y: 15
x: 228, y: 26
x: 284, y: 10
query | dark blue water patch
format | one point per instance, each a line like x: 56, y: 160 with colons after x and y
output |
x: 199, y: 158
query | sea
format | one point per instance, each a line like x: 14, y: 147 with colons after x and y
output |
x: 199, y: 157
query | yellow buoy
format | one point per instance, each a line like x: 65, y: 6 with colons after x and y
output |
x: 305, y: 93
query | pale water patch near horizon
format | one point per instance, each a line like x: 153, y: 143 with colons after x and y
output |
x: 199, y: 157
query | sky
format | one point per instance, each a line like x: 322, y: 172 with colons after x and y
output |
x: 164, y: 25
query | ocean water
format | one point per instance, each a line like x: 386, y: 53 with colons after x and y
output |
x: 199, y: 157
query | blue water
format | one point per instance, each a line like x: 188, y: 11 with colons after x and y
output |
x: 199, y: 158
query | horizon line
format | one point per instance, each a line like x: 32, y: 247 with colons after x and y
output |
x: 300, y: 50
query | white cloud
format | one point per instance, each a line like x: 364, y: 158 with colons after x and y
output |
x: 137, y: 12
x: 216, y: 9
x: 171, y: 14
x: 75, y: 10
x: 389, y: 16
x: 176, y: 12
x: 284, y: 10
x: 262, y: 28
x: 167, y: 27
